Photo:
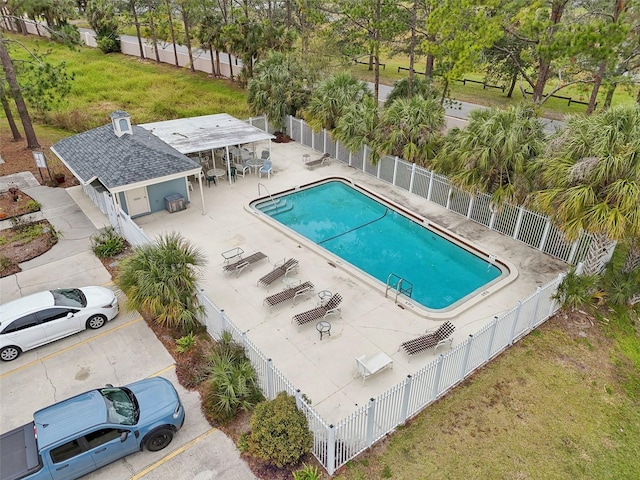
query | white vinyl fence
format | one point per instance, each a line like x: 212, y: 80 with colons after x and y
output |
x: 335, y: 445
x: 526, y: 226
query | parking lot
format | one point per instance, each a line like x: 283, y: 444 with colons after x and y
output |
x: 122, y: 351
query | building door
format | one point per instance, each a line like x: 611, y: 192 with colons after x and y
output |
x: 137, y: 201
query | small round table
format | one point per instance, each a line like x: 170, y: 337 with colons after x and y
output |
x: 324, y: 328
x: 324, y: 296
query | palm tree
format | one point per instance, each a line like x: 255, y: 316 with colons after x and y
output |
x: 403, y: 89
x: 161, y: 279
x: 279, y: 87
x: 495, y: 154
x: 409, y: 128
x: 357, y: 125
x: 591, y: 175
x: 331, y: 97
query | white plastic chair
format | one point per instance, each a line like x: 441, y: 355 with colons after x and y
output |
x: 266, y: 169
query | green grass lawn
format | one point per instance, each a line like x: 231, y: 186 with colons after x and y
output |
x: 475, y: 93
x: 146, y: 90
x: 561, y: 404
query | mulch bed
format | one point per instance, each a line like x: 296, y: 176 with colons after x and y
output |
x: 15, y: 247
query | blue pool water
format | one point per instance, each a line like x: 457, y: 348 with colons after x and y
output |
x: 380, y: 241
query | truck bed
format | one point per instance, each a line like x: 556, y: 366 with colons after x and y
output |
x: 19, y: 453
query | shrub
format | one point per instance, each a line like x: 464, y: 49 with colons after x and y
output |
x: 161, y: 279
x: 232, y: 384
x: 186, y: 343
x: 107, y: 243
x: 33, y: 206
x: 108, y: 44
x: 279, y: 432
x: 307, y: 472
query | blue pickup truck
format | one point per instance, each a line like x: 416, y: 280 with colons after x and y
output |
x: 83, y: 433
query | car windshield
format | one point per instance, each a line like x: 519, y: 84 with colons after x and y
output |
x: 69, y: 297
x: 122, y: 406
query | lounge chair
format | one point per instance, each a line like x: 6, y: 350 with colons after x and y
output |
x: 319, y: 313
x: 318, y: 162
x: 280, y: 269
x: 433, y: 339
x: 368, y: 366
x: 238, y: 266
x: 291, y: 293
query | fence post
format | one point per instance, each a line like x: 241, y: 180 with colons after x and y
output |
x: 324, y: 140
x: 223, y: 321
x: 491, y: 337
x: 270, y: 379
x: 545, y: 235
x: 533, y: 321
x: 244, y: 339
x: 436, y: 378
x: 298, y: 399
x: 313, y: 140
x: 371, y: 413
x: 331, y: 450
x: 449, y: 194
x: 515, y: 322
x: 405, y: 400
x: 574, y: 249
x: 350, y: 160
x: 470, y: 209
x: 516, y: 230
x: 467, y: 354
x: 430, y: 185
x: 413, y: 175
x: 553, y: 303
x: 395, y: 171
x: 492, y: 220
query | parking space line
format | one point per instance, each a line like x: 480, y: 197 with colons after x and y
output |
x: 175, y: 453
x: 70, y: 347
x: 166, y: 369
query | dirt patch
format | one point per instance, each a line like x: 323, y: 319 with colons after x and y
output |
x: 17, y: 158
x: 14, y: 203
x: 24, y: 242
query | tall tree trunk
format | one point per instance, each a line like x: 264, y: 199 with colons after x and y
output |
x: 514, y: 79
x: 213, y: 63
x: 557, y: 9
x: 132, y: 4
x: 597, y: 81
x: 609, y: 97
x: 16, y: 93
x: 412, y: 47
x: 154, y: 38
x: 10, y: 120
x: 218, y: 62
x: 597, y: 255
x: 185, y: 20
x: 428, y: 67
x: 638, y: 98
x: 633, y: 257
x: 230, y: 66
x: 173, y: 34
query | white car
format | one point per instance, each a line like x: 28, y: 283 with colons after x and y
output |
x: 45, y: 317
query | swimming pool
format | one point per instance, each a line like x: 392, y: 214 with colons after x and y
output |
x: 381, y: 240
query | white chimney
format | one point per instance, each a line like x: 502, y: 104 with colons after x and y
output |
x: 121, y: 122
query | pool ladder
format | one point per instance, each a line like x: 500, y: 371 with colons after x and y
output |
x: 400, y: 285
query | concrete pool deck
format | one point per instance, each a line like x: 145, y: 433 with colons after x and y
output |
x: 370, y: 323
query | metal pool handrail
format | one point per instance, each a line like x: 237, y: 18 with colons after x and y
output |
x: 398, y: 287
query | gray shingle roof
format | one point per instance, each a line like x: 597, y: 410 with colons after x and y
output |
x: 117, y: 162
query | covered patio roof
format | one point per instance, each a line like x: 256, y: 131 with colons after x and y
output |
x: 207, y: 132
